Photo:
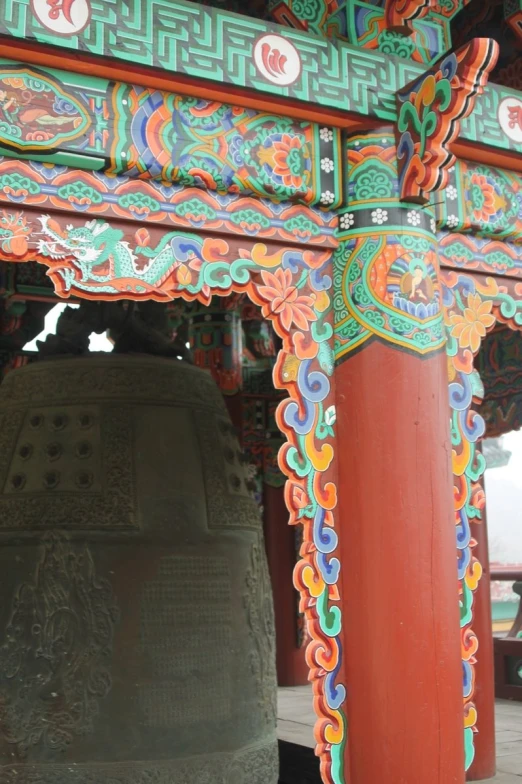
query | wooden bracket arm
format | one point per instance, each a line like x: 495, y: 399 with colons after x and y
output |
x: 430, y: 111
x: 399, y: 14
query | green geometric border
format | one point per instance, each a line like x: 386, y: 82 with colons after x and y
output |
x: 210, y: 44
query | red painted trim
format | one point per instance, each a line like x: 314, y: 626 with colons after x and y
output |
x: 292, y: 669
x: 471, y: 151
x: 400, y: 13
x: 52, y: 298
x: 107, y: 68
x: 484, y: 763
x: 506, y: 575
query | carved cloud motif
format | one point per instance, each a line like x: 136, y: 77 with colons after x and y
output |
x: 55, y: 653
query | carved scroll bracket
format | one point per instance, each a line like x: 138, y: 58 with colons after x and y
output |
x: 513, y: 16
x: 430, y: 111
x: 314, y: 17
x: 400, y: 13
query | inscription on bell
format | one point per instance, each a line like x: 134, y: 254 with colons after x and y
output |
x: 137, y: 629
x: 177, y: 635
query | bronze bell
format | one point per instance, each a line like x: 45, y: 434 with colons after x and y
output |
x: 136, y: 624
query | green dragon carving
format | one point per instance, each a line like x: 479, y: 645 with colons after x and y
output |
x: 95, y: 259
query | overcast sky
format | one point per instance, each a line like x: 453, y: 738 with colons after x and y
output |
x: 504, y: 504
x: 98, y: 342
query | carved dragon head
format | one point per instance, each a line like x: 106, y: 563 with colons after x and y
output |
x: 82, y: 242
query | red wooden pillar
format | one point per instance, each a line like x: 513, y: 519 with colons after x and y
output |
x: 402, y: 651
x: 262, y: 441
x: 484, y: 763
x: 292, y: 669
x: 398, y: 556
x: 216, y: 340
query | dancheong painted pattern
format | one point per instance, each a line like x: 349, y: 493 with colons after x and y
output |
x: 123, y: 191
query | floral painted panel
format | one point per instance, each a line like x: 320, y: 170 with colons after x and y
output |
x: 470, y: 252
x: 484, y: 200
x: 36, y: 111
x: 119, y: 128
x: 53, y: 187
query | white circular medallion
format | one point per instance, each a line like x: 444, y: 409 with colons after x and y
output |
x: 277, y: 60
x: 63, y: 17
x: 510, y: 118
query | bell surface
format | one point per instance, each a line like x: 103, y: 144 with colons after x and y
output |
x: 137, y: 641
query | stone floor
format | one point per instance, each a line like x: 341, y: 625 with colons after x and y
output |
x: 296, y: 719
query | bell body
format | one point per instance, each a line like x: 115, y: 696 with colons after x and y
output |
x: 136, y: 623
